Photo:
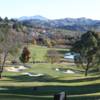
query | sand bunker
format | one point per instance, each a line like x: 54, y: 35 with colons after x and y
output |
x: 31, y: 74
x: 65, y: 71
x: 15, y: 69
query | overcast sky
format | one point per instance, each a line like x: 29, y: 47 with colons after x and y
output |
x: 52, y: 9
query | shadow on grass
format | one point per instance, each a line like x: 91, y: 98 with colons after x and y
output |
x: 47, y: 78
x: 47, y: 92
x: 13, y: 97
x: 26, y: 78
x: 51, y: 90
x: 71, y: 90
x: 85, y: 98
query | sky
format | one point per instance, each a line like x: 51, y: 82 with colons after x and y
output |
x: 52, y: 9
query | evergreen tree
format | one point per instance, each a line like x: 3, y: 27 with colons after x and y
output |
x: 25, y: 56
x: 86, y: 51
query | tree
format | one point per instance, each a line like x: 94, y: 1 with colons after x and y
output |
x: 87, y: 51
x: 10, y: 41
x: 1, y: 19
x: 47, y: 42
x: 33, y: 41
x: 25, y: 56
x: 52, y: 56
x: 26, y: 33
x: 6, y: 19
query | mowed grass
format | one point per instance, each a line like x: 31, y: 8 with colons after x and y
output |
x: 76, y: 85
x: 22, y: 87
x: 40, y: 52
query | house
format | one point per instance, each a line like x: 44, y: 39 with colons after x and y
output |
x: 70, y: 56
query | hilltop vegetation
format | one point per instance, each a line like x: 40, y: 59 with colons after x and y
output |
x: 42, y: 31
x: 74, y: 24
x: 39, y: 34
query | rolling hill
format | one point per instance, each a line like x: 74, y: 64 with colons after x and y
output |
x: 75, y: 24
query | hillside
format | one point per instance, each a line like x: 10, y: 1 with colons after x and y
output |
x: 75, y: 24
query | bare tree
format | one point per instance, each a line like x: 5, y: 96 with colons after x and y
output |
x: 52, y: 56
x: 10, y: 41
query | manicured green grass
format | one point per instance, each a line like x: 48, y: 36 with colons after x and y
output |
x: 76, y: 85
x: 40, y: 51
x: 21, y: 87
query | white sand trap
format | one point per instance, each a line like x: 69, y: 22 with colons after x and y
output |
x: 21, y: 68
x: 66, y: 71
x: 57, y: 69
x: 11, y: 69
x: 14, y: 69
x: 31, y: 74
x: 69, y: 72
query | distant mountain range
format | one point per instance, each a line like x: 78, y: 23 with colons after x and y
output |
x: 77, y: 24
x: 36, y: 17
